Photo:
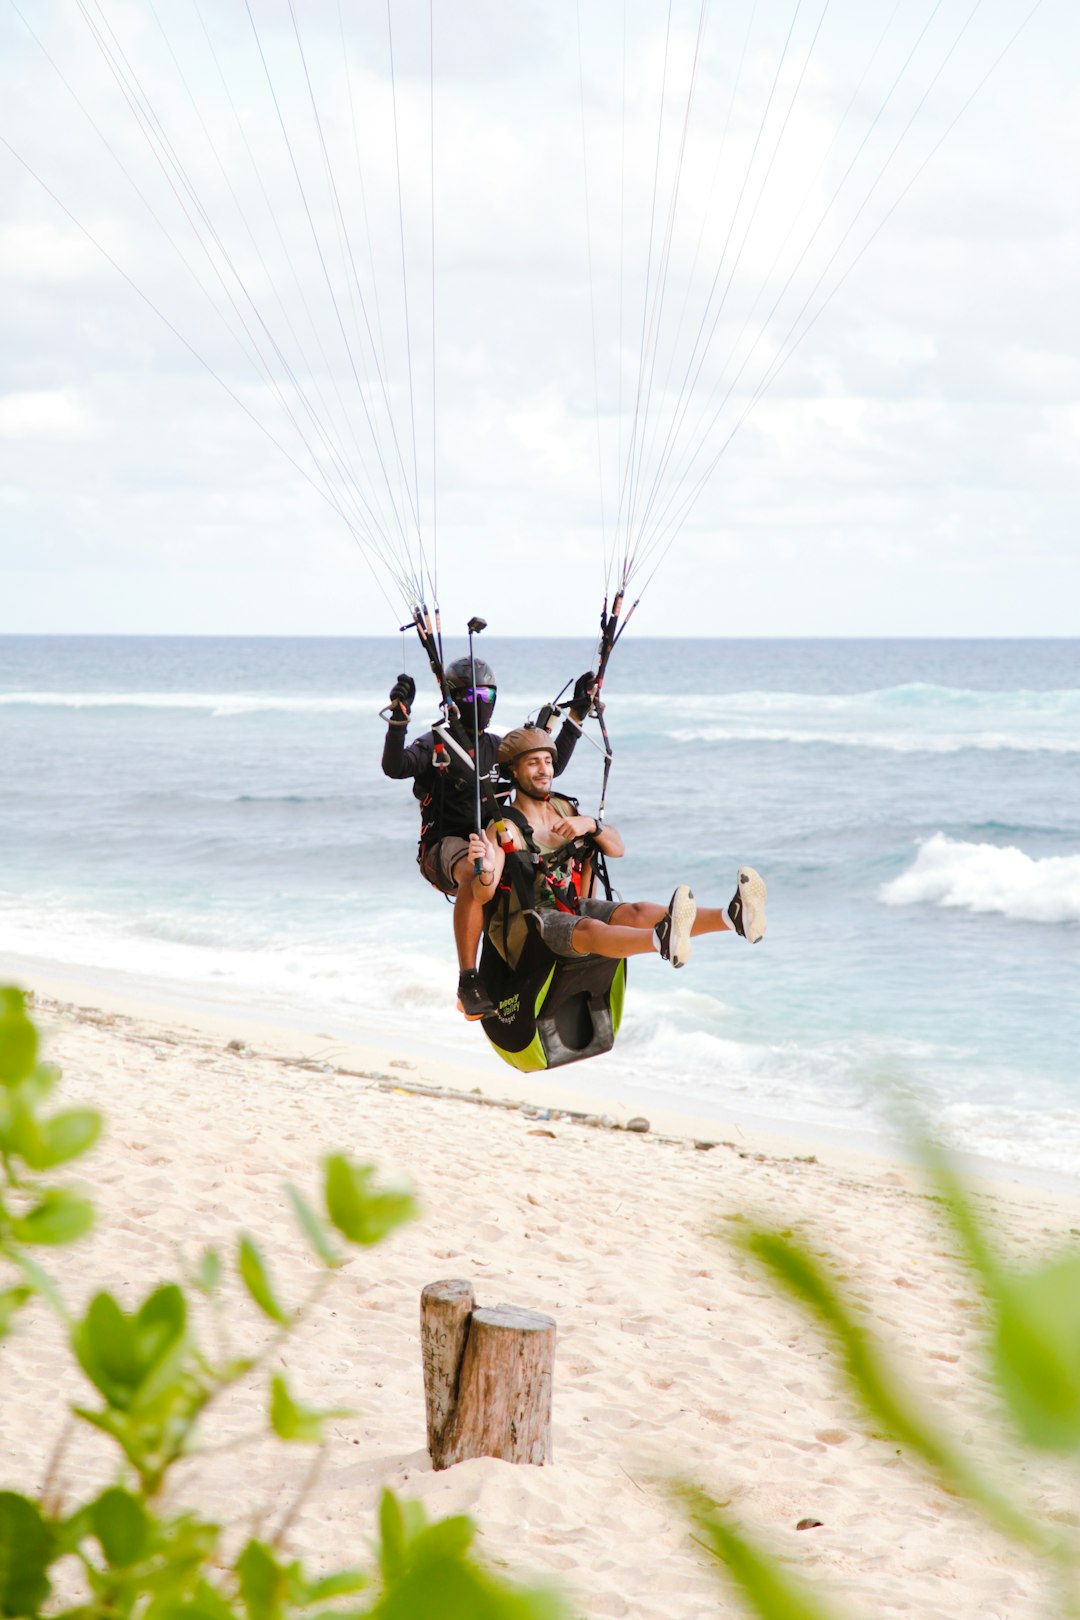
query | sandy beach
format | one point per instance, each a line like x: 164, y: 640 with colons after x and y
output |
x: 674, y: 1357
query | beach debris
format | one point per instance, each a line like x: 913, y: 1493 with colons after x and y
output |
x: 541, y: 1133
x: 423, y: 1087
x: 809, y: 1524
x: 704, y: 1147
x: 238, y: 1046
x: 400, y: 1063
x: 487, y: 1377
x: 638, y: 1124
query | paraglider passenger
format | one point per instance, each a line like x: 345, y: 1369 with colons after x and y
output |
x: 553, y: 846
x: 446, y: 789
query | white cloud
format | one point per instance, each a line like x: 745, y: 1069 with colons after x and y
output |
x: 43, y: 415
x: 42, y: 251
x: 926, y: 423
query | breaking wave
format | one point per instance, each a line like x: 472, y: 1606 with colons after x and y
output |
x: 989, y: 878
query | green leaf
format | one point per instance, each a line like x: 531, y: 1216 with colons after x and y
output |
x: 40, y: 1084
x: 19, y: 1129
x: 1036, y: 1343
x: 58, y: 1217
x: 407, y: 1540
x: 312, y: 1227
x: 341, y: 1584
x: 183, y: 1546
x: 161, y: 1340
x: 360, y: 1213
x: 64, y: 1137
x: 18, y: 1038
x: 26, y: 1549
x: 869, y: 1377
x: 12, y: 1301
x: 130, y: 1357
x: 235, y: 1367
x: 392, y: 1539
x: 109, y: 1422
x: 105, y: 1348
x: 208, y: 1272
x: 769, y: 1590
x: 40, y: 1281
x: 122, y: 1525
x: 204, y: 1604
x: 457, y: 1590
x: 291, y: 1421
x: 338, y: 1613
x: 261, y: 1581
x: 446, y: 1538
x: 253, y: 1273
x: 1037, y: 1352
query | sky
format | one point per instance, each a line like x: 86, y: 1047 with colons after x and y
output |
x: 301, y: 313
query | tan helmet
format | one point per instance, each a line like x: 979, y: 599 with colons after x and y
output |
x: 524, y: 740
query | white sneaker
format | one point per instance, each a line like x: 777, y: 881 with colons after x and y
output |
x: 673, y: 930
x: 746, y: 910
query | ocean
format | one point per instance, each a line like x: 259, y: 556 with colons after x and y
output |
x: 205, y: 820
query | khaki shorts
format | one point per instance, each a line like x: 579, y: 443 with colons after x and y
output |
x: 557, y: 927
x: 437, y: 862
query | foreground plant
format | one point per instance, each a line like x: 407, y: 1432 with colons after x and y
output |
x: 154, y: 1382
x: 1034, y: 1368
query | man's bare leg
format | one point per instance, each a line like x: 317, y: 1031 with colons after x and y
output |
x: 631, y: 929
x: 468, y: 915
x: 643, y: 914
x: 473, y: 999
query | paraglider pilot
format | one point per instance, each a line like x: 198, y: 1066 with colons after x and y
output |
x: 446, y: 788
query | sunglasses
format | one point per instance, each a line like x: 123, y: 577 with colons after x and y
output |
x: 477, y: 694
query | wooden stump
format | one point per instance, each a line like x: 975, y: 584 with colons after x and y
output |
x: 487, y: 1378
x: 445, y: 1309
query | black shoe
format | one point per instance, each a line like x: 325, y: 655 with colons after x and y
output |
x: 746, y: 911
x: 472, y: 999
x: 673, y: 930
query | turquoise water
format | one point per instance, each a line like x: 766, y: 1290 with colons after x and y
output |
x: 209, y: 816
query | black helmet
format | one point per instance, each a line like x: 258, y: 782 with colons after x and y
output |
x: 459, y: 684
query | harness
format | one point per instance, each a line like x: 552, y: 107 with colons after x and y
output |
x: 449, y: 805
x: 533, y: 878
x: 548, y: 1010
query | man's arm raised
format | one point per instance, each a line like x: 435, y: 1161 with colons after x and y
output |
x: 570, y: 730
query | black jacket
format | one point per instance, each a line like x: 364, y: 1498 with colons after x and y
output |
x: 448, y: 796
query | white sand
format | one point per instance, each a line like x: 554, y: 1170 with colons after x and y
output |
x: 674, y: 1355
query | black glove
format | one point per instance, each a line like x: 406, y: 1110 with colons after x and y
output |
x: 581, y: 702
x: 402, y: 693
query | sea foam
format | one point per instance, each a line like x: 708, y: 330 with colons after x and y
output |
x: 214, y: 703
x: 898, y: 742
x: 989, y: 878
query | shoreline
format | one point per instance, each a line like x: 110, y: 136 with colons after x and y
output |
x: 413, y: 1064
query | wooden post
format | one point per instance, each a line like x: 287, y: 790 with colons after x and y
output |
x: 445, y: 1309
x: 487, y: 1378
